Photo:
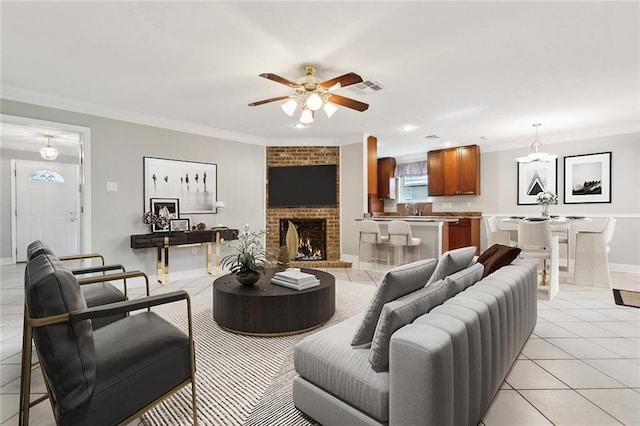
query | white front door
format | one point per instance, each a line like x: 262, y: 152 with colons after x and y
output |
x: 47, y: 204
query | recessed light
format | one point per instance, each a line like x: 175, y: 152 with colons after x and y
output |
x: 299, y: 126
x: 407, y: 128
x: 446, y: 144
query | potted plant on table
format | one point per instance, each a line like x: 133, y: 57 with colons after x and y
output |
x: 247, y: 263
x: 545, y: 199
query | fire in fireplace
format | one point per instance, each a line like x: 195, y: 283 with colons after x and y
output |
x: 312, y: 237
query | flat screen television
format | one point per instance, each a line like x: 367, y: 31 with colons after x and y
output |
x: 294, y: 186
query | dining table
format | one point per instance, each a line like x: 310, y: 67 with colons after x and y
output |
x: 563, y: 230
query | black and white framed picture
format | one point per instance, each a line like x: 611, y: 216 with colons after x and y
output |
x: 193, y: 183
x: 165, y: 209
x: 535, y: 177
x: 587, y: 178
x: 179, y: 224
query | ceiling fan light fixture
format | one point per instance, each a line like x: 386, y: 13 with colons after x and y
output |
x: 307, y: 116
x: 289, y: 107
x: 330, y: 109
x: 314, y: 102
x: 48, y: 152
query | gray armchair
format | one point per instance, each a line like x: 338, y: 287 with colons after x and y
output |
x: 104, y: 376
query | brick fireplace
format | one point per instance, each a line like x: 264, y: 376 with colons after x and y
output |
x: 278, y: 156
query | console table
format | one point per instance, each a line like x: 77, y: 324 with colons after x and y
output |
x: 164, y: 240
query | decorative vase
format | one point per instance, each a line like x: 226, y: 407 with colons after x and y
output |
x: 248, y: 279
x: 545, y: 210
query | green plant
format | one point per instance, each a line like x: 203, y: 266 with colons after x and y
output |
x: 250, y: 253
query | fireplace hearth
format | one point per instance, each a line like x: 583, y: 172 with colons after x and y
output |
x: 312, y: 237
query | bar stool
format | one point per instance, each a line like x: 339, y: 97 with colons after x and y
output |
x: 400, y: 236
x: 369, y: 231
x: 592, y: 260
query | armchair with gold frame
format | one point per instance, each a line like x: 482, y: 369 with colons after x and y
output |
x: 110, y: 375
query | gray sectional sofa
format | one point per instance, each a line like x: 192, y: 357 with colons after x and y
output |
x: 438, y: 353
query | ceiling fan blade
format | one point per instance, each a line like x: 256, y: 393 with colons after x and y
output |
x: 348, y: 102
x: 281, y: 80
x: 344, y: 80
x: 266, y: 101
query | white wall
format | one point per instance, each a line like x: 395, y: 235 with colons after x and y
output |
x: 117, y: 151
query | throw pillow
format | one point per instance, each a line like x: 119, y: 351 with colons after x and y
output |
x: 399, y: 313
x: 396, y: 282
x: 463, y: 279
x: 451, y: 262
x: 497, y: 256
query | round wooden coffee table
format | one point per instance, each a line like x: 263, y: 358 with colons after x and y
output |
x: 271, y: 310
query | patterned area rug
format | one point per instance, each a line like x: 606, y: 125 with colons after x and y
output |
x: 245, y: 380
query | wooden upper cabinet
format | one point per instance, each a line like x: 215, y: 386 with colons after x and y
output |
x: 372, y: 165
x: 386, y: 174
x: 435, y: 171
x: 454, y: 171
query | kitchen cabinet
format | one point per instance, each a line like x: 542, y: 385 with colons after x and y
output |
x: 454, y: 171
x: 464, y: 233
x: 386, y: 177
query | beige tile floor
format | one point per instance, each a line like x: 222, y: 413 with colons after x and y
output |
x: 581, y: 365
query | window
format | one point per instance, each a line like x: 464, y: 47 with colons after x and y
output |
x: 412, y: 181
x: 46, y: 176
x: 413, y: 188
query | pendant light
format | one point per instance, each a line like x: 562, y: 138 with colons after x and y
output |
x: 536, y: 151
x: 47, y: 152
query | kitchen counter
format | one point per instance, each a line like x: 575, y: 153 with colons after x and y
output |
x: 413, y: 219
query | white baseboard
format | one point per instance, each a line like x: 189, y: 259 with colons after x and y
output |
x: 189, y: 274
x: 6, y: 261
x: 349, y: 258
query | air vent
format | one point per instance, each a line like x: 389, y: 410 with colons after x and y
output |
x: 367, y: 86
x: 432, y: 137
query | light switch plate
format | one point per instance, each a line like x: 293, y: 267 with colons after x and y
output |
x: 112, y: 186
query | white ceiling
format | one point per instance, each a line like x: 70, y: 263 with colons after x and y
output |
x: 469, y: 72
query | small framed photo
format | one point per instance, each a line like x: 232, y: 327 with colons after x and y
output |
x: 164, y: 207
x: 179, y: 225
x: 535, y: 177
x: 587, y: 178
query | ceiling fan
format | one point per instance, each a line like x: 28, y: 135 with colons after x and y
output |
x: 312, y: 94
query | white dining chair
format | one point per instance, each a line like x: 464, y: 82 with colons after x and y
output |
x: 495, y: 235
x: 370, y: 234
x: 562, y: 231
x: 592, y: 260
x: 536, y: 242
x: 400, y: 237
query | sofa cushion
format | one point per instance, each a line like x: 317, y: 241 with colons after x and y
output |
x: 66, y: 351
x: 451, y: 262
x: 327, y: 360
x: 396, y: 282
x: 497, y: 256
x: 464, y: 278
x: 401, y: 312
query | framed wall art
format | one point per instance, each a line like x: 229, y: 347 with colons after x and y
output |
x: 179, y: 224
x: 168, y: 208
x: 535, y: 177
x: 587, y: 178
x: 192, y: 182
